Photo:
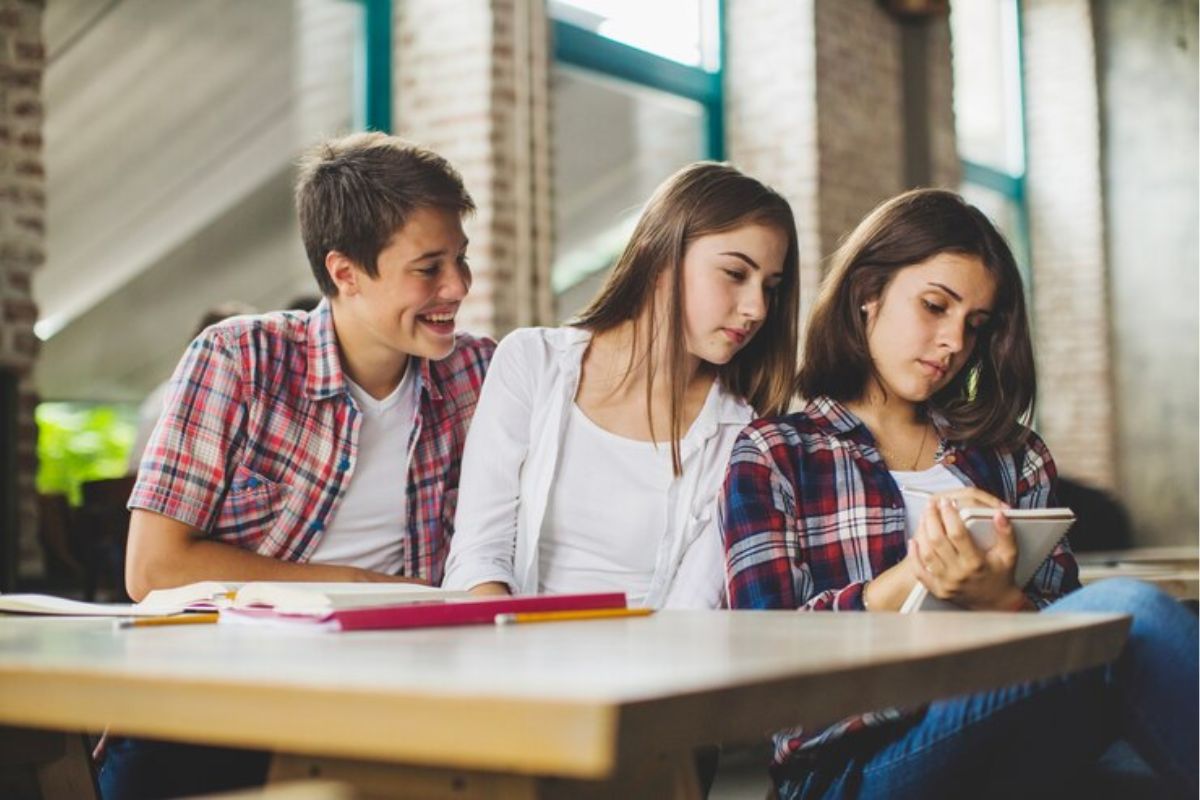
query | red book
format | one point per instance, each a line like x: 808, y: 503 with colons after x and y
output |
x: 426, y: 615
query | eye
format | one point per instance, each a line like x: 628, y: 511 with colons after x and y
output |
x: 429, y: 271
x: 737, y: 275
x: 932, y: 307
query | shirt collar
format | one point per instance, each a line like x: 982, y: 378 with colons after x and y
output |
x: 325, y: 375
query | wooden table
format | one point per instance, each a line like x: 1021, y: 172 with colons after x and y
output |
x: 1175, y: 570
x: 581, y: 709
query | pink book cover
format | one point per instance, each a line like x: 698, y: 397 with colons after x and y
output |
x: 431, y: 615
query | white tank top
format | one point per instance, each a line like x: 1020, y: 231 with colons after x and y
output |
x: 606, y: 514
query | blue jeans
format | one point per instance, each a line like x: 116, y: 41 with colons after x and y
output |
x: 1036, y: 739
x: 147, y: 769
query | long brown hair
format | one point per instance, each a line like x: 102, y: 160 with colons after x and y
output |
x: 702, y: 199
x: 993, y: 394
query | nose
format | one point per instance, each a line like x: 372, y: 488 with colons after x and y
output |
x: 753, y: 305
x: 457, y: 283
x: 952, y: 335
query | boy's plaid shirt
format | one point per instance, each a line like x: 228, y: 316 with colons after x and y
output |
x: 810, y: 513
x: 258, y: 439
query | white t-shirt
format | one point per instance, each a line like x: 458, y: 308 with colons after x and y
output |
x: 918, y: 486
x: 606, y: 514
x: 368, y: 526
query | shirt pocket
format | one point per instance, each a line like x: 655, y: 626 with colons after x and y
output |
x: 251, y: 508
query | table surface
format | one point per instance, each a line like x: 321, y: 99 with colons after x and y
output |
x: 570, y: 698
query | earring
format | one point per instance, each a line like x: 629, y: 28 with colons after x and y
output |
x: 863, y: 308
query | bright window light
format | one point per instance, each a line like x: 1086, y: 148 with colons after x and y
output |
x: 681, y: 30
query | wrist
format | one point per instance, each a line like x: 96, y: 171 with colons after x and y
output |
x: 1014, y: 601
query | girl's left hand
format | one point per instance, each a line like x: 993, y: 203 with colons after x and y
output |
x: 952, y: 568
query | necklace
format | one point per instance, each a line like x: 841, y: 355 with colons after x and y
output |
x: 890, y: 457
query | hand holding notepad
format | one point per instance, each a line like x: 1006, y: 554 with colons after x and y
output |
x: 1037, y: 531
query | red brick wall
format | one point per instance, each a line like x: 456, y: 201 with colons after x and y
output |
x: 22, y: 238
x: 471, y: 83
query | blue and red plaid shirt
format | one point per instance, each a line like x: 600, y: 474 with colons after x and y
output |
x: 258, y: 439
x: 810, y: 514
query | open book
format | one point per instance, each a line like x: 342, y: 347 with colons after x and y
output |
x: 1037, y: 530
x: 421, y: 611
x: 285, y: 597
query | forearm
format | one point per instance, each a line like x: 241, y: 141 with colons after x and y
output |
x: 163, y: 553
x: 491, y: 589
x: 888, y: 590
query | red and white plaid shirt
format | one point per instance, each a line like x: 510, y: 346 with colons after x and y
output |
x: 810, y: 513
x: 258, y: 439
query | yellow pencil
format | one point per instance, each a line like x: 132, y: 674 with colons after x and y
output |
x: 172, y: 619
x: 568, y: 616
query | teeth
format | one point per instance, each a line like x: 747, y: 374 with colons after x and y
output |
x: 439, y: 317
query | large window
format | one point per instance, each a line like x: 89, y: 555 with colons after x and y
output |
x: 637, y: 94
x: 988, y: 110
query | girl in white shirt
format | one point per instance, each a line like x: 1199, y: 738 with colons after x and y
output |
x: 597, y: 449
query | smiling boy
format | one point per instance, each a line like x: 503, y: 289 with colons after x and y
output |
x: 325, y: 446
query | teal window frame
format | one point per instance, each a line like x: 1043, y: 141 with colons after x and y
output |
x: 1012, y: 185
x: 373, y: 68
x: 588, y: 50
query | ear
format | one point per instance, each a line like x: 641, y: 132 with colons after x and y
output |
x: 869, y: 309
x: 344, y: 273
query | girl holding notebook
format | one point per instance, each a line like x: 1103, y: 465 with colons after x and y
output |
x: 598, y: 448
x: 918, y: 370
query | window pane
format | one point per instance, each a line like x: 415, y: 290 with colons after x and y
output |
x: 614, y: 143
x: 681, y: 30
x: 987, y: 97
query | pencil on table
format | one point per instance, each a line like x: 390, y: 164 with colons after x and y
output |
x: 569, y: 616
x: 172, y: 619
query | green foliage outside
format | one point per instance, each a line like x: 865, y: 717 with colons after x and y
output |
x: 78, y: 443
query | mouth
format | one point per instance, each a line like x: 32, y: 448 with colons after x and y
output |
x: 736, y: 335
x: 440, y: 322
x: 934, y: 369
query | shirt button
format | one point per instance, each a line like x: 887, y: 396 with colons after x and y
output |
x: 316, y: 527
x: 252, y: 483
x: 950, y: 459
x: 344, y: 464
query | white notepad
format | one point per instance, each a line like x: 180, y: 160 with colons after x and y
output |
x: 1037, y: 530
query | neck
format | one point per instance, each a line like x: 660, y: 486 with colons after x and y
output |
x: 885, y: 410
x: 609, y: 362
x: 377, y: 369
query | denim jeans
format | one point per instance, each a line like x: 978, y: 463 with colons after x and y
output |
x: 147, y: 769
x: 1036, y: 739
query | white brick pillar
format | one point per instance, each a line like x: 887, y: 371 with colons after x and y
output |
x: 817, y: 108
x: 471, y: 82
x: 1069, y: 269
x: 22, y: 241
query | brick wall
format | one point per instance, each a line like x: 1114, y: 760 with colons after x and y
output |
x: 22, y: 248
x: 1069, y: 269
x: 816, y: 107
x: 471, y: 83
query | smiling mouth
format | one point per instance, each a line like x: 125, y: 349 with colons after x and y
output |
x: 442, y: 322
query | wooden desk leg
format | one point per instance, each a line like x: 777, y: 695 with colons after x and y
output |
x: 45, y: 764
x: 662, y: 777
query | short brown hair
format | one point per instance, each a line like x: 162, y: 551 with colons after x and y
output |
x: 354, y: 193
x: 994, y: 392
x: 698, y: 200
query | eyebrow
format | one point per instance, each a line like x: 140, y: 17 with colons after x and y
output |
x: 958, y: 297
x: 743, y: 257
x: 439, y: 253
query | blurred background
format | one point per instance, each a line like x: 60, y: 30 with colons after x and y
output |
x: 148, y: 149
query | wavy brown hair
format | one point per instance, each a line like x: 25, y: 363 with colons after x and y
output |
x: 992, y: 396
x: 702, y: 199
